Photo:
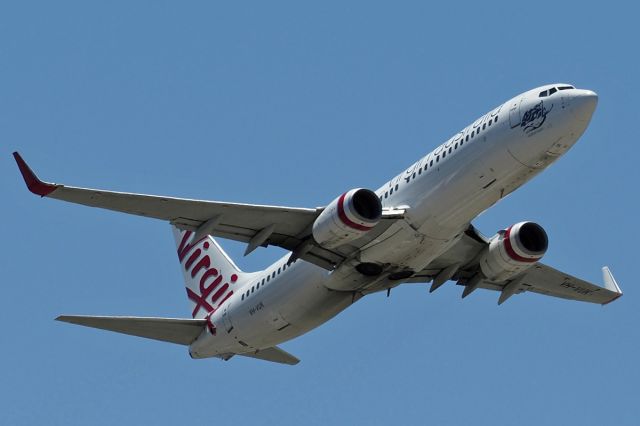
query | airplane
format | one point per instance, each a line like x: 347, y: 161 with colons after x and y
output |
x: 416, y: 228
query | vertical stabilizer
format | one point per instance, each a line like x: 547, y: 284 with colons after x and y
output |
x: 210, y: 276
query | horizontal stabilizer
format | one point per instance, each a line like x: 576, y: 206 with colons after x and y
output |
x: 274, y: 354
x: 173, y: 330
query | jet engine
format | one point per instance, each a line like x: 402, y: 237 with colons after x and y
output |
x: 347, y: 218
x: 513, y: 250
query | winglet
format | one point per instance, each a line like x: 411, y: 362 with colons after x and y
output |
x: 34, y: 184
x: 610, y: 284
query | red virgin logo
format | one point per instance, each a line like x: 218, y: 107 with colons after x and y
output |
x: 212, y: 291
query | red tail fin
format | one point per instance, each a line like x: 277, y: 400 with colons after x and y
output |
x: 210, y: 276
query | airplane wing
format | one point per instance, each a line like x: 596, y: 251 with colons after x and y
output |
x: 460, y: 263
x: 257, y: 225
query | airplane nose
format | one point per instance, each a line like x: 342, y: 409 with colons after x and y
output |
x: 583, y: 104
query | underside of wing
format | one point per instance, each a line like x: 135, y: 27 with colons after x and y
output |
x: 173, y: 330
x: 256, y: 225
x: 548, y: 281
x: 461, y: 263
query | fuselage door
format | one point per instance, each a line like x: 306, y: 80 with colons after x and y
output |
x: 514, y: 112
x: 277, y: 321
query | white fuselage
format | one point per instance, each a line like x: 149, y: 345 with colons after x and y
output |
x: 442, y: 193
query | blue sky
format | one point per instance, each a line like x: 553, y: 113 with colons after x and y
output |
x: 292, y: 104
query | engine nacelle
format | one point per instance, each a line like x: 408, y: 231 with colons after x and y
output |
x: 513, y: 250
x: 347, y: 218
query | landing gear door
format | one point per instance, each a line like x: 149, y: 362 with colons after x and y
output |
x: 514, y: 112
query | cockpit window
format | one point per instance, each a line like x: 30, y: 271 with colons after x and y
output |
x: 553, y: 90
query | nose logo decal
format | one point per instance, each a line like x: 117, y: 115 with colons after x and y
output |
x: 535, y: 117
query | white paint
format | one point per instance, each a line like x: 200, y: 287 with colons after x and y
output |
x: 444, y: 191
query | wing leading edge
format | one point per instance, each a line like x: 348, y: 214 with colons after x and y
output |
x: 290, y: 228
x: 540, y: 278
x: 256, y: 225
x: 546, y: 280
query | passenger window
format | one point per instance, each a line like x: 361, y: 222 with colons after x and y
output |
x: 391, y: 191
x: 420, y: 171
x: 386, y: 194
x: 263, y: 281
x: 273, y: 275
x: 444, y: 154
x: 242, y: 297
x: 484, y: 126
x: 278, y: 271
x: 397, y: 187
x: 431, y: 163
x: 252, y: 289
x: 268, y: 277
x: 467, y: 138
x: 456, y: 145
x: 437, y: 159
x: 450, y: 149
x: 414, y: 175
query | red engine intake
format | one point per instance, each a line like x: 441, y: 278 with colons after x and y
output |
x: 347, y: 218
x: 514, y: 250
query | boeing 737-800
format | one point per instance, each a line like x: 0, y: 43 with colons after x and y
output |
x: 416, y: 228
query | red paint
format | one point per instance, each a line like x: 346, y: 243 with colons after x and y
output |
x: 200, y: 302
x: 225, y: 299
x: 192, y: 259
x: 511, y: 252
x: 209, y: 273
x: 206, y: 291
x: 220, y: 292
x: 343, y: 217
x: 184, y: 248
x: 201, y: 299
x: 210, y: 325
x: 205, y: 300
x: 204, y: 263
x: 34, y: 184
